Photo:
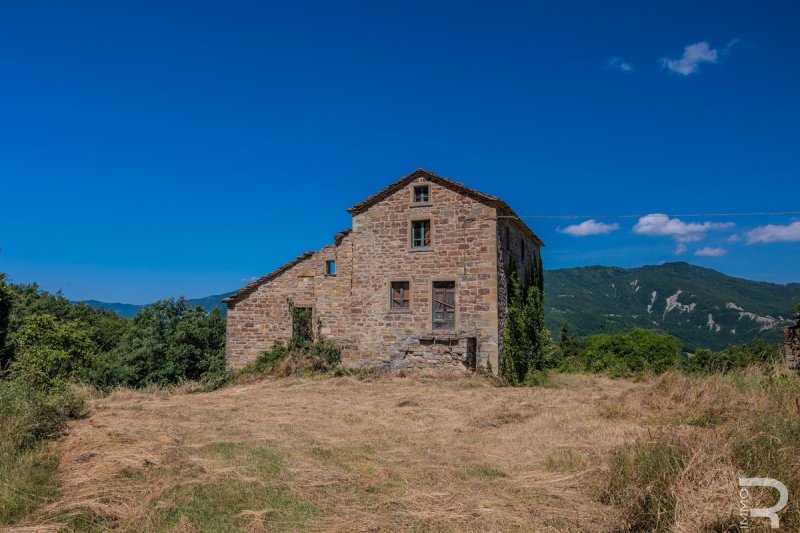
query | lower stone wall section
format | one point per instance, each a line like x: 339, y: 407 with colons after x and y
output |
x: 427, y: 353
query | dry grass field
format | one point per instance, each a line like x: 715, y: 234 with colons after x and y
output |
x: 419, y: 453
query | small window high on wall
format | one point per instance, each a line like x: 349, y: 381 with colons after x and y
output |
x: 421, y: 194
x: 330, y: 268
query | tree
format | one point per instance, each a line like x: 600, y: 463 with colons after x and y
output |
x: 6, y: 301
x: 167, y: 342
x: 564, y: 333
x: 50, y: 353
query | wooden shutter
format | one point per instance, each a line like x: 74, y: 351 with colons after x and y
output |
x: 444, y: 305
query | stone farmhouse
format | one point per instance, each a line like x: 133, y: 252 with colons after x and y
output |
x: 418, y: 282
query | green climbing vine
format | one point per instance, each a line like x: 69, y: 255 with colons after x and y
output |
x: 525, y: 339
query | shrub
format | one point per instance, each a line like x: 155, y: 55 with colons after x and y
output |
x: 631, y: 353
x: 298, y: 357
x: 50, y: 353
x: 733, y: 357
x: 28, y: 468
x: 30, y: 415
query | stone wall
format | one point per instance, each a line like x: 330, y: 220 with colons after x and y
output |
x: 263, y: 318
x: 463, y: 250
x: 791, y: 347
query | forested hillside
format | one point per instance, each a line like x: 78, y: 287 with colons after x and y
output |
x: 702, y: 307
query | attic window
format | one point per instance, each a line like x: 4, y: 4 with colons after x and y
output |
x: 330, y: 268
x: 421, y: 194
x: 420, y: 233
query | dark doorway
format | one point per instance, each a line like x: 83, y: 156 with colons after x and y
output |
x: 472, y: 353
x: 301, y: 324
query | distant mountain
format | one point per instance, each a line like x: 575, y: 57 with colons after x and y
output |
x: 130, y: 310
x: 126, y: 310
x: 701, y: 307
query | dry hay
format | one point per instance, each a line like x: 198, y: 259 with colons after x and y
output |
x: 389, y: 453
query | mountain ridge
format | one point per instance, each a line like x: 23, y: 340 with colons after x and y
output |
x: 700, y: 306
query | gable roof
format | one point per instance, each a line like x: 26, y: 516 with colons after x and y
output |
x: 251, y: 287
x: 502, y: 208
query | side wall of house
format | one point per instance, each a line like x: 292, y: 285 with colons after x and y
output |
x: 463, y: 250
x: 510, y: 240
x: 263, y: 318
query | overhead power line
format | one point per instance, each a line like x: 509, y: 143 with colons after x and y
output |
x: 681, y: 215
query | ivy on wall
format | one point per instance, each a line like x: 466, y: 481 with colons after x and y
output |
x: 524, y: 337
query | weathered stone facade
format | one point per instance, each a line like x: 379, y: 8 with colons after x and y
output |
x: 473, y: 239
x: 791, y: 346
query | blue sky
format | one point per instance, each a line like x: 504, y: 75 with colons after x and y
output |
x: 156, y: 149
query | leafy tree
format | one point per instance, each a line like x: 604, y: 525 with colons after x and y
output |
x: 50, y: 353
x: 6, y: 300
x: 167, y: 342
x: 564, y: 333
x: 105, y: 327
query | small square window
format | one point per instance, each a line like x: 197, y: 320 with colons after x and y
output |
x: 420, y: 233
x: 400, y: 295
x: 330, y: 268
x: 421, y: 194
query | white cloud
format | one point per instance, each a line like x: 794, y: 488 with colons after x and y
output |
x: 693, y: 56
x: 774, y: 233
x: 680, y: 249
x: 251, y: 279
x: 617, y: 63
x: 734, y: 238
x: 660, y: 225
x: 589, y: 227
x: 710, y: 252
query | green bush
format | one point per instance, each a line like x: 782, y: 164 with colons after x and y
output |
x: 631, y: 353
x: 733, y: 357
x: 298, y: 357
x: 29, y: 415
x: 50, y: 353
x: 29, y: 468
